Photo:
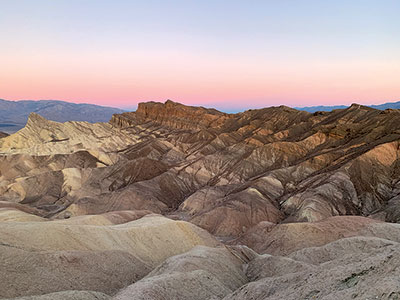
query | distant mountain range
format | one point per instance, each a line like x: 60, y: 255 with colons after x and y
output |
x: 312, y: 109
x: 14, y: 114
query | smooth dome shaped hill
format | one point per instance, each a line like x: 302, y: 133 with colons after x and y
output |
x: 87, y: 254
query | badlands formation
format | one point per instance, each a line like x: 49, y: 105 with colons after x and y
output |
x: 179, y: 202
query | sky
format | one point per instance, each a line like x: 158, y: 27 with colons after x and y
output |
x: 231, y: 55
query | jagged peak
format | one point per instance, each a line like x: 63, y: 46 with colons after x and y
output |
x: 171, y: 114
x: 36, y: 118
x: 171, y: 103
x: 37, y: 121
x: 355, y: 106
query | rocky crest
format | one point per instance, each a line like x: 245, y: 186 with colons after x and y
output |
x: 172, y: 115
x: 287, y: 192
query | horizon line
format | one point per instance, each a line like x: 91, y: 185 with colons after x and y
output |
x: 219, y: 107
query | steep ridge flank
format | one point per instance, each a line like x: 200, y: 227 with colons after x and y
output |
x: 41, y: 136
x: 243, y: 148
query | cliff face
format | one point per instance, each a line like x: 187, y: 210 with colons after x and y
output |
x: 171, y: 114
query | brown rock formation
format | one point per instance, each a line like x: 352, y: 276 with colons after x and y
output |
x: 301, y: 189
x: 269, y: 165
x: 275, y: 164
